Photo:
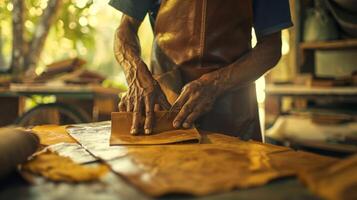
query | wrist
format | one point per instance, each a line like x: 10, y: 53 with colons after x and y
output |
x: 213, y: 80
x: 139, y: 72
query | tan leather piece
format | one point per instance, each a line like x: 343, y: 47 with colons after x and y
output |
x: 300, y: 160
x: 57, y: 168
x: 222, y: 165
x: 163, y: 132
x: 334, y: 182
x: 52, y: 134
x: 226, y: 140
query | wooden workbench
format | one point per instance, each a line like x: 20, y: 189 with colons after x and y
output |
x: 116, y: 188
x: 96, y: 101
x: 113, y: 186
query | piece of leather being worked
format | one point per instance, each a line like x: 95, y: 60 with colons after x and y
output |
x: 163, y: 132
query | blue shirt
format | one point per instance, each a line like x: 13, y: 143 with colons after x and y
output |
x: 269, y: 16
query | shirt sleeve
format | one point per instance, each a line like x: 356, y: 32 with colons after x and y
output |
x: 271, y: 16
x: 134, y: 8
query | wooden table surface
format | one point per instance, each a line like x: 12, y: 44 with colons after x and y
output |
x: 114, y: 187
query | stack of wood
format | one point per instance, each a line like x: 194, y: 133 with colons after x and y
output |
x: 70, y: 71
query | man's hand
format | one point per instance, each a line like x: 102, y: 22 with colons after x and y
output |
x: 198, y: 96
x: 196, y: 99
x: 144, y: 92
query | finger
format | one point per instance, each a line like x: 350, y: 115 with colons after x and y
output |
x: 186, y: 110
x: 163, y: 102
x: 191, y: 118
x: 157, y: 107
x: 180, y: 101
x: 122, y: 106
x: 137, y: 116
x: 149, y: 114
x: 129, y: 104
x: 122, y: 103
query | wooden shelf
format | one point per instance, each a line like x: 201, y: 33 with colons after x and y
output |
x: 299, y: 90
x: 325, y: 45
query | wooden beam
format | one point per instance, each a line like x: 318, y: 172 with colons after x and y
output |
x: 40, y: 35
x: 18, y: 43
x: 326, y: 45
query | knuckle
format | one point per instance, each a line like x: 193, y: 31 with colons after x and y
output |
x: 149, y: 113
x: 189, y: 120
x: 187, y: 109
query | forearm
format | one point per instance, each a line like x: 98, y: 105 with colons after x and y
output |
x: 143, y: 90
x: 128, y: 51
x: 248, y: 68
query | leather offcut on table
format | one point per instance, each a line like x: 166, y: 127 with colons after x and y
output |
x: 163, y: 131
x: 62, y: 169
x: 334, y: 182
x: 56, y: 139
x: 52, y: 134
x: 220, y: 163
x: 224, y: 164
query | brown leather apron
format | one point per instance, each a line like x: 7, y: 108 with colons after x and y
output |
x: 194, y: 37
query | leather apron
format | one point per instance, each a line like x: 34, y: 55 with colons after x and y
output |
x: 194, y: 37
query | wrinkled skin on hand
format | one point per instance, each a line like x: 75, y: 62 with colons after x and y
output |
x: 196, y: 99
x: 141, y: 99
x: 144, y: 92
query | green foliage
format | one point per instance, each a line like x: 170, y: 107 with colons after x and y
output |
x: 72, y: 25
x: 83, y: 28
x: 4, y: 12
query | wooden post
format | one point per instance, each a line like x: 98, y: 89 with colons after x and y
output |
x: 18, y: 45
x: 41, y: 32
x: 2, y: 58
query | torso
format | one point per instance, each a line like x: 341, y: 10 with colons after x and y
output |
x: 200, y: 36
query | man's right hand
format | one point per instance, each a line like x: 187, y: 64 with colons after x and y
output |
x: 143, y: 93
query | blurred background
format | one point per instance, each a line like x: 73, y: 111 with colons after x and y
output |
x: 83, y: 28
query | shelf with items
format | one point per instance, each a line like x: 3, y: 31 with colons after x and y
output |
x: 315, y: 39
x: 324, y: 89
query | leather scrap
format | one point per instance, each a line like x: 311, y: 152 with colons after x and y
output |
x: 52, y: 134
x: 163, y: 132
x: 221, y: 163
x: 203, y: 169
x: 62, y: 169
x: 335, y: 181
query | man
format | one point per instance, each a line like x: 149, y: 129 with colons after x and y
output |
x: 205, y: 46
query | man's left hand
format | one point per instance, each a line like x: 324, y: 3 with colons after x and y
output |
x: 196, y: 99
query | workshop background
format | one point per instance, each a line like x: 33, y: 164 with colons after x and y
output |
x: 57, y: 66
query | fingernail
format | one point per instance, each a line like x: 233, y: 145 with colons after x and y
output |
x: 177, y: 124
x: 186, y: 125
x: 147, y: 131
